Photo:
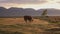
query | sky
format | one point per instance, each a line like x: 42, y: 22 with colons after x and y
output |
x: 36, y: 4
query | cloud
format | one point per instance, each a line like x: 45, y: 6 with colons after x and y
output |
x: 56, y: 1
x: 23, y: 1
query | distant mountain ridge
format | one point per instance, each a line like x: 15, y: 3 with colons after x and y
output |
x: 28, y: 11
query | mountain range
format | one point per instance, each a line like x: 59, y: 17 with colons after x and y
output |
x: 16, y: 12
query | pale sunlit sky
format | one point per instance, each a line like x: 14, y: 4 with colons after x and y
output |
x: 36, y: 4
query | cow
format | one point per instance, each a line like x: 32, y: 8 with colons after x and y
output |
x: 28, y: 18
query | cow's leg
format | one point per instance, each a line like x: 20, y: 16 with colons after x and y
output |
x: 25, y: 20
x: 30, y: 20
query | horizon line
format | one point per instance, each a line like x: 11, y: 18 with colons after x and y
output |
x: 28, y: 8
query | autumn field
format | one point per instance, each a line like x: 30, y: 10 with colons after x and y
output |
x: 19, y: 26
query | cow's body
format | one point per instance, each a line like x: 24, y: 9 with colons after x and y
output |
x: 28, y: 18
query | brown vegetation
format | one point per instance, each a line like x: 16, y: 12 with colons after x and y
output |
x: 54, y: 19
x: 18, y: 26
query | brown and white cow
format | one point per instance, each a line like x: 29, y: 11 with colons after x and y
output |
x: 28, y: 18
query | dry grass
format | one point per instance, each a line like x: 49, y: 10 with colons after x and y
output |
x: 18, y: 26
x: 20, y: 20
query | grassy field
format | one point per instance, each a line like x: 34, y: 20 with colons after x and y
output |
x: 18, y: 26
